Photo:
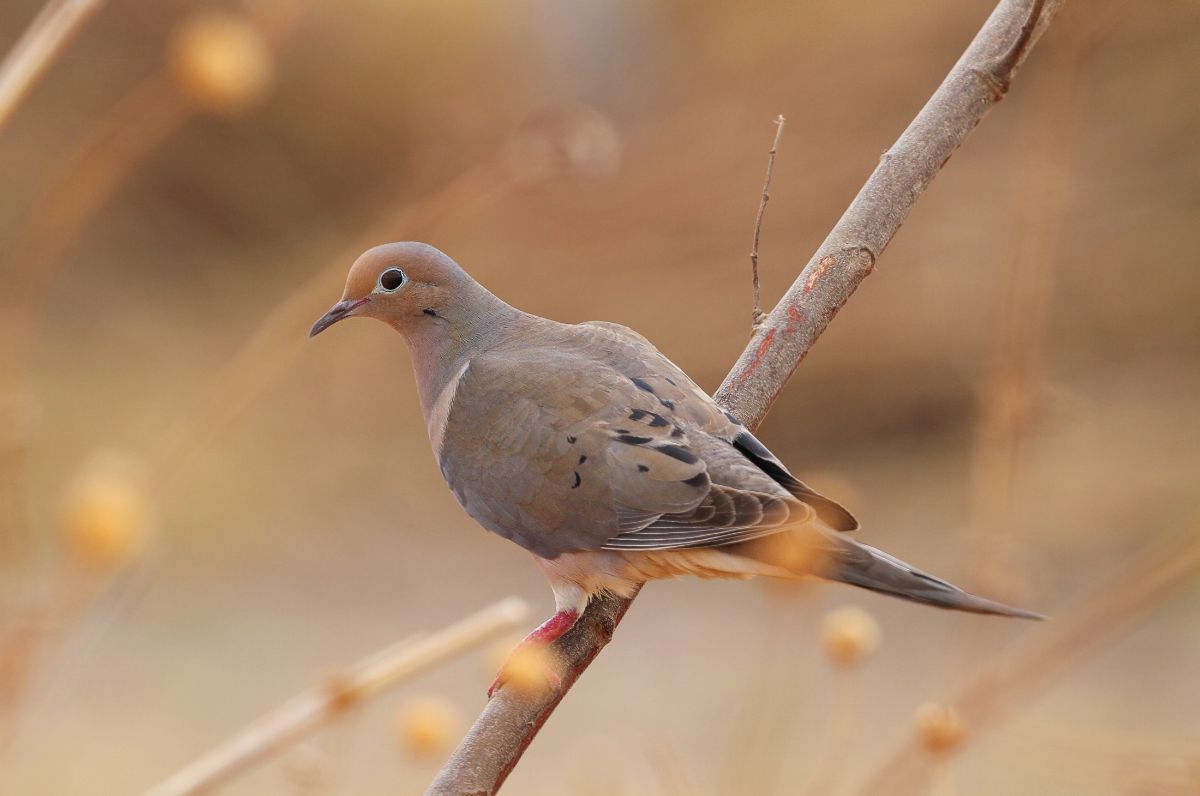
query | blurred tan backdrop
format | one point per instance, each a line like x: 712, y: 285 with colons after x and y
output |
x: 1009, y: 401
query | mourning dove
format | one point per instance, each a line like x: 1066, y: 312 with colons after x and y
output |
x: 585, y: 445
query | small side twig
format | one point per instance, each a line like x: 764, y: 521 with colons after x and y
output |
x: 757, y: 314
x: 322, y: 704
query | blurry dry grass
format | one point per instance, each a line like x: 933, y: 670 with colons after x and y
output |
x: 1003, y: 688
x: 50, y: 31
x: 1011, y: 386
x: 105, y: 157
x: 61, y: 581
x: 422, y: 727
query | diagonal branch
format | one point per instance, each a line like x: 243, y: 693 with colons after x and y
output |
x: 977, y: 82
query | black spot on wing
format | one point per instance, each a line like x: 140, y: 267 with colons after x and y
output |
x: 630, y: 439
x: 640, y: 415
x: 570, y: 440
x: 642, y: 384
x: 583, y: 458
x: 643, y: 468
x: 578, y: 481
x: 669, y: 405
x: 699, y: 480
x: 678, y: 452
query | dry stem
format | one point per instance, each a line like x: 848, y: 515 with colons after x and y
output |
x: 1008, y: 405
x: 50, y: 31
x: 756, y: 314
x: 993, y: 694
x: 322, y: 704
x: 978, y: 81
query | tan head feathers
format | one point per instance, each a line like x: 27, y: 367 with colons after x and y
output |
x: 396, y: 283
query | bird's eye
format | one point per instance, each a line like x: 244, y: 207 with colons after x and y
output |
x: 392, y: 278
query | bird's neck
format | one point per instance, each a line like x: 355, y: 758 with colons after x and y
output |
x: 443, y: 343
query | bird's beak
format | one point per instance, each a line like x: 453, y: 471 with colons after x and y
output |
x: 342, y: 309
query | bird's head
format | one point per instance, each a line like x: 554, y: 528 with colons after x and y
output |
x: 402, y: 284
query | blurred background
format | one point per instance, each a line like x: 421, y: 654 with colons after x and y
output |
x: 204, y: 512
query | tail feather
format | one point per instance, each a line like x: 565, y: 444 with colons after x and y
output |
x: 862, y: 565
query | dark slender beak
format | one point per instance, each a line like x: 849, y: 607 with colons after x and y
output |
x: 338, y: 311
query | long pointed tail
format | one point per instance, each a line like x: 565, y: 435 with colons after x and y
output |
x: 862, y: 565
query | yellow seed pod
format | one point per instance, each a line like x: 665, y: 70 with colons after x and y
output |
x: 426, y: 726
x: 106, y: 513
x: 939, y: 727
x: 531, y: 668
x: 849, y: 635
x: 221, y: 61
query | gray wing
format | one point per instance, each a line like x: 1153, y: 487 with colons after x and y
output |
x: 600, y: 442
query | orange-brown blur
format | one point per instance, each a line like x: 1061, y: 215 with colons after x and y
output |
x: 203, y: 512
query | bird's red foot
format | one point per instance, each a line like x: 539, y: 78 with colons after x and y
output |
x: 529, y: 664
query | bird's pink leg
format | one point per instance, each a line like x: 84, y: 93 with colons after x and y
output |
x: 542, y: 636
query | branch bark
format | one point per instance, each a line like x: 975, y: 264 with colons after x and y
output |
x: 979, y: 80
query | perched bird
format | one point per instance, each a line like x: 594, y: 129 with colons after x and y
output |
x: 589, y: 448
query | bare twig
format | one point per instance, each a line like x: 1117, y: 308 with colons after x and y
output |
x: 314, y: 708
x: 510, y: 720
x: 50, y: 31
x: 756, y: 314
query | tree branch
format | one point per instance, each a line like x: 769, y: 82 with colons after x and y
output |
x: 978, y: 81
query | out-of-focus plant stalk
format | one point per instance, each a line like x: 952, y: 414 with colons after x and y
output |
x: 1004, y: 687
x: 1042, y: 195
x: 307, y: 712
x: 91, y: 174
x: 51, y: 30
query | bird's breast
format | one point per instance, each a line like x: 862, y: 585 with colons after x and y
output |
x: 439, y: 411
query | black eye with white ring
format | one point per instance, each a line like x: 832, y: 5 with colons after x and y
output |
x: 392, y: 279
